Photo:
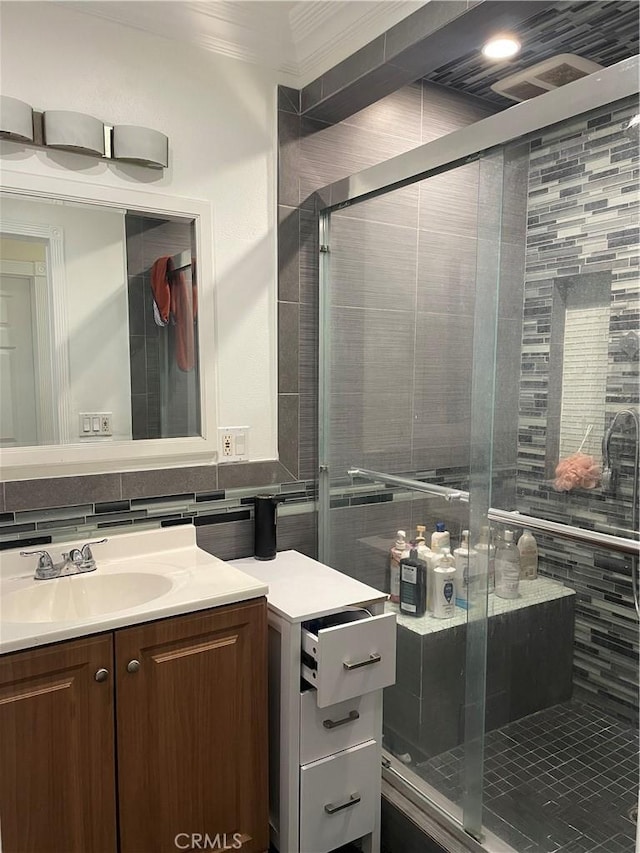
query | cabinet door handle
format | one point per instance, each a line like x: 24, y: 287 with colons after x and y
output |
x: 101, y: 675
x: 374, y: 658
x: 333, y: 724
x: 133, y: 665
x: 332, y: 808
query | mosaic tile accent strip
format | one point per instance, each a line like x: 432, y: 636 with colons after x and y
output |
x: 605, y: 32
x: 562, y: 780
x: 583, y: 224
x: 45, y: 526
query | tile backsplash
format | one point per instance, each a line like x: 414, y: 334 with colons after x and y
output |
x: 41, y: 512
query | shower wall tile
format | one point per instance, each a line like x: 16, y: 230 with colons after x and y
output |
x: 583, y: 199
x: 446, y: 273
x: 370, y: 351
x: 288, y: 253
x: 370, y: 431
x: 288, y: 346
x: 401, y: 115
x: 288, y: 158
x: 308, y: 441
x: 289, y: 431
x: 449, y: 202
x: 373, y: 265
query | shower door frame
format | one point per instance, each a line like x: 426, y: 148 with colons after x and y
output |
x: 485, y: 137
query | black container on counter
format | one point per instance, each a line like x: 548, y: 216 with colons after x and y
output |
x: 265, y: 523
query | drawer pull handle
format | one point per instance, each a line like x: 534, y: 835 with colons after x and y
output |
x: 374, y: 658
x: 332, y: 808
x: 333, y: 724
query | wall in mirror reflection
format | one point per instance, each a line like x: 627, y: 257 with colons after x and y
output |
x: 126, y: 358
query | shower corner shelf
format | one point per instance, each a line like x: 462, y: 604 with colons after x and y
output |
x: 332, y: 649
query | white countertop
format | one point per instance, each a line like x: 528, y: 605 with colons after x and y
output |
x: 533, y: 592
x: 190, y: 580
x: 301, y: 588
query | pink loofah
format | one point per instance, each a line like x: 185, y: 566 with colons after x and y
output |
x: 576, y: 470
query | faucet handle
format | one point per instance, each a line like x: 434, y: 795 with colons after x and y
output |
x: 44, y: 562
x: 45, y: 568
x: 85, y: 550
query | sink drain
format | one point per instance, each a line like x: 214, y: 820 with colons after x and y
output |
x: 632, y: 814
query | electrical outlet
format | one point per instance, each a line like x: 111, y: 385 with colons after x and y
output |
x: 105, y: 423
x: 234, y: 443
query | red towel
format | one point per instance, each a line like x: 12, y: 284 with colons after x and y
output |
x: 174, y: 298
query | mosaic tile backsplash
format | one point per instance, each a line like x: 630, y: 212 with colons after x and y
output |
x: 582, y: 237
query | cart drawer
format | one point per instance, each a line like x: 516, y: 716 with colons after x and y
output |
x: 350, y: 658
x: 339, y: 798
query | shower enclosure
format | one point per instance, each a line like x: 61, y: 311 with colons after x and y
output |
x: 480, y: 301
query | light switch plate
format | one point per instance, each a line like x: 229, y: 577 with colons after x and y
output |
x: 94, y: 424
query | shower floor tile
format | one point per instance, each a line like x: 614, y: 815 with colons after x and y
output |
x: 560, y: 781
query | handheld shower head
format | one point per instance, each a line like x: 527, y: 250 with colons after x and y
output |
x: 609, y: 477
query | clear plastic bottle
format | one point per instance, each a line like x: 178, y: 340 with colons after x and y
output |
x: 528, y: 548
x: 466, y: 559
x: 444, y: 587
x: 487, y: 554
x: 507, y: 567
x: 398, y: 550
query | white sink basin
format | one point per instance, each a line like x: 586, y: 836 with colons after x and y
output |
x: 81, y: 596
x: 140, y: 577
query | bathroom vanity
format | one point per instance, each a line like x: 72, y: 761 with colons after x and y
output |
x: 133, y: 729
x: 332, y: 650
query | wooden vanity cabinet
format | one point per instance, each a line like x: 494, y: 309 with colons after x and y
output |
x: 187, y: 697
x: 57, y: 766
x: 191, y: 714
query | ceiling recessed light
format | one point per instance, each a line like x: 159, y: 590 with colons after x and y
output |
x: 501, y: 47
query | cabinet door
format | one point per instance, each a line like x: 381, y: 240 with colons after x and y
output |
x: 191, y: 713
x: 57, y: 760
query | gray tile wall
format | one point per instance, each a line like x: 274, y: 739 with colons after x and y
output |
x: 583, y: 226
x: 387, y: 266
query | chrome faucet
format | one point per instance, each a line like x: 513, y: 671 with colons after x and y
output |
x: 77, y: 561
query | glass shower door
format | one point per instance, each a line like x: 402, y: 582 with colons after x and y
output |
x: 408, y: 336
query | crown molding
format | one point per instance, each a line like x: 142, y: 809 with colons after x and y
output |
x: 299, y: 40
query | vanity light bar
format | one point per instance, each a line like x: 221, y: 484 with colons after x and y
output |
x: 77, y: 132
x: 16, y: 120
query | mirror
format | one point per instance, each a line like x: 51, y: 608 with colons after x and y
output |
x: 101, y: 320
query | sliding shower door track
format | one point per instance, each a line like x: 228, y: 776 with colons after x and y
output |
x: 435, y: 815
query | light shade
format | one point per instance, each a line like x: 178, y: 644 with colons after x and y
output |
x: 140, y: 145
x: 16, y: 119
x: 501, y: 47
x: 73, y: 131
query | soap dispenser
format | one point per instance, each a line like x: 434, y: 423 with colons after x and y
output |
x: 265, y: 522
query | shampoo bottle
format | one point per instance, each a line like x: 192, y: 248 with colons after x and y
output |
x: 440, y: 538
x: 487, y: 557
x: 507, y: 567
x: 444, y: 587
x: 413, y: 585
x: 424, y: 552
x: 398, y: 551
x: 528, y: 548
x: 466, y: 570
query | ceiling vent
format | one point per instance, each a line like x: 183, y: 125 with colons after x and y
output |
x: 545, y: 76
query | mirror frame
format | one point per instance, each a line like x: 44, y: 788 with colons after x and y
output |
x: 21, y: 463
